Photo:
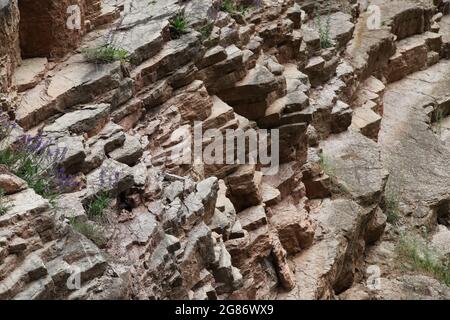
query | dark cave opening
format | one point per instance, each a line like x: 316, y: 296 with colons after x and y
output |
x: 35, y: 28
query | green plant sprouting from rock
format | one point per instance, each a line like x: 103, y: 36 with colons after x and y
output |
x: 96, y: 207
x: 90, y: 231
x: 36, y: 160
x: 392, y: 203
x: 105, y: 54
x: 416, y: 254
x: 231, y: 7
x: 325, y: 165
x: 438, y: 116
x: 178, y: 25
x: 4, y: 203
x: 205, y: 30
x: 324, y: 29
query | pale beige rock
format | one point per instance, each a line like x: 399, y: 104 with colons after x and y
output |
x: 252, y: 218
x: 295, y: 229
x: 129, y: 153
x: 10, y: 183
x: 67, y: 87
x: 29, y: 73
x: 244, y: 187
x: 367, y: 122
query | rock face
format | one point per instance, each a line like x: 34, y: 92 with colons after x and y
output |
x: 9, y: 37
x: 159, y: 190
x: 328, y: 266
x: 43, y: 258
x: 405, y: 131
x: 65, y: 23
x: 178, y: 263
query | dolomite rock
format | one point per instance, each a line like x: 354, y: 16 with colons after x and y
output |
x: 22, y: 204
x: 172, y: 55
x: 30, y: 72
x: 228, y: 277
x: 57, y: 35
x: 67, y: 87
x: 221, y: 114
x: 287, y: 181
x: 70, y: 207
x: 341, y: 117
x: 249, y: 96
x: 411, y: 55
x: 249, y: 254
x: 407, y: 19
x: 252, y: 218
x: 368, y: 54
x: 107, y: 140
x: 361, y: 173
x: 247, y: 236
x: 328, y: 266
x: 89, y: 119
x: 295, y: 229
x: 10, y: 183
x: 112, y: 176
x: 206, y: 191
x: 67, y: 151
x: 412, y: 287
x: 212, y: 56
x: 439, y: 241
x: 221, y: 223
x: 224, y: 74
x: 51, y: 254
x: 284, y: 272
x: 129, y: 153
x: 444, y: 28
x: 318, y: 187
x: 9, y: 37
x: 367, y: 122
x: 244, y: 187
x: 405, y: 121
x: 293, y: 142
x: 376, y: 227
x: 270, y: 196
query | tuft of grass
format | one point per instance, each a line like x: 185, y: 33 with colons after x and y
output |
x: 392, y: 206
x: 90, y: 231
x: 105, y: 54
x: 205, y: 30
x: 416, y: 254
x: 6, y: 126
x: 178, y: 25
x: 97, y: 206
x: 328, y: 169
x: 324, y: 28
x: 438, y: 116
x: 325, y: 165
x: 4, y: 204
x: 231, y: 7
x: 228, y: 6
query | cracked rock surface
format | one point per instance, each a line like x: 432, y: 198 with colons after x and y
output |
x: 362, y: 118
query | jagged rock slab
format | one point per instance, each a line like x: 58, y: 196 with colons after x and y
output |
x: 416, y: 159
x: 367, y: 122
x: 355, y: 161
x: 85, y: 120
x: 74, y: 83
x: 30, y: 73
x: 328, y: 265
